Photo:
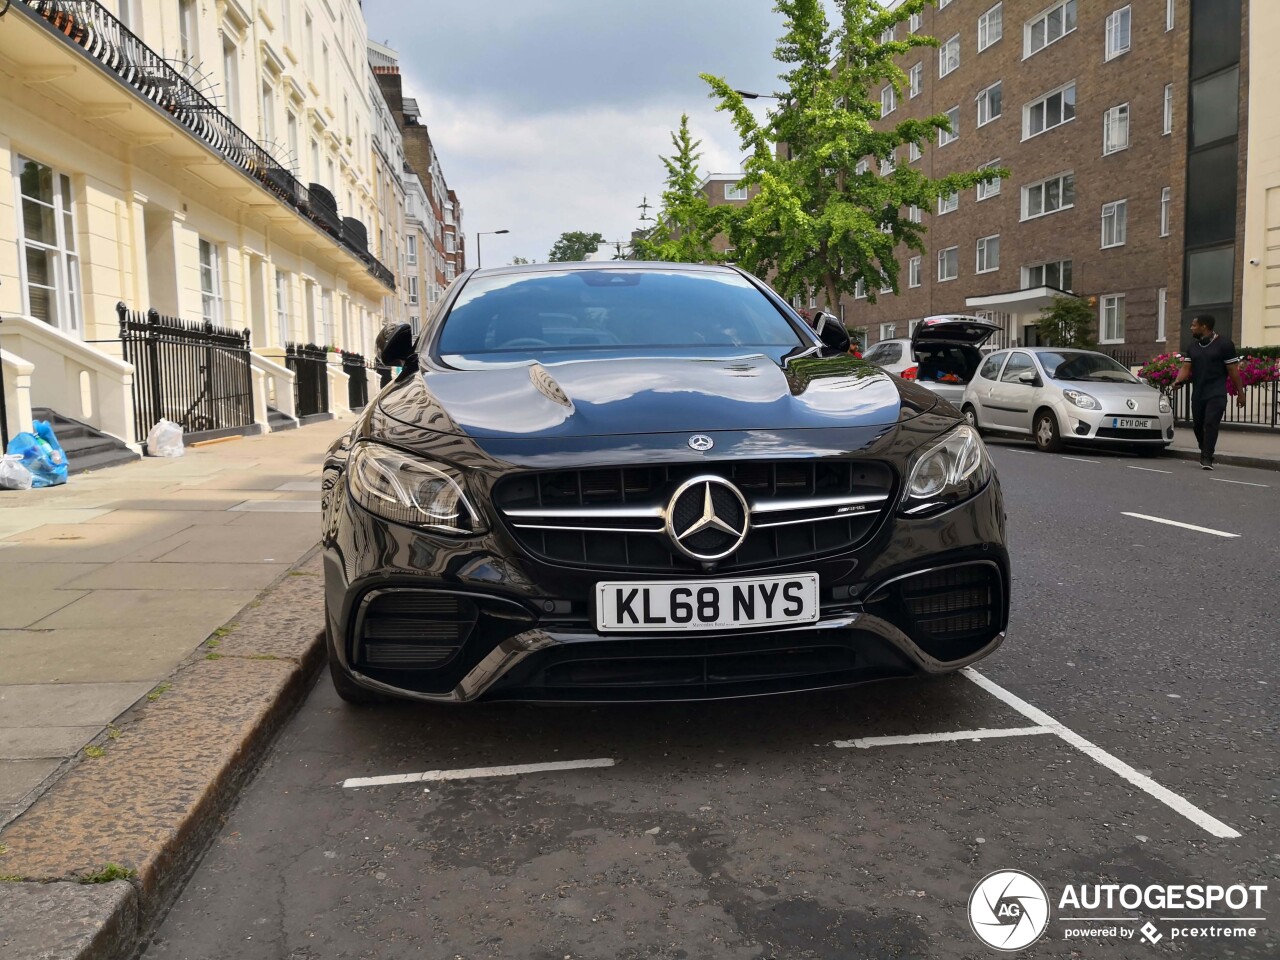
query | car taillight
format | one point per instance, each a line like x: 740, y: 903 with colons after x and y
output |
x: 909, y: 373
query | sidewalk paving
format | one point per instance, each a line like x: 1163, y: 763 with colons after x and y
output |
x: 1245, y: 448
x: 110, y: 582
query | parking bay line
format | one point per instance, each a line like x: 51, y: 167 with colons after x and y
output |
x: 1081, y: 460
x: 1117, y: 766
x: 477, y: 772
x: 865, y: 743
x: 1243, y: 483
x: 1184, y: 526
x: 1149, y: 469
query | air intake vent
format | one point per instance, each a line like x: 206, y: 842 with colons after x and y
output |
x: 949, y: 613
x: 412, y: 629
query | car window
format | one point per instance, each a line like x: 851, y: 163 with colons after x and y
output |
x: 1019, y: 363
x: 533, y: 313
x: 991, y: 369
x: 1085, y: 367
x: 885, y: 353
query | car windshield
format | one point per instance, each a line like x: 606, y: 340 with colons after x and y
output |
x: 1085, y: 367
x: 533, y: 313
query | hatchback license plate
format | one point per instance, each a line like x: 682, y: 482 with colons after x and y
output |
x: 1130, y: 423
x: 673, y: 605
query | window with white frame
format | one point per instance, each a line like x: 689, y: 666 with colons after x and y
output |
x: 450, y: 271
x: 950, y: 136
x: 887, y: 288
x: 888, y: 100
x: 916, y: 76
x: 210, y: 282
x: 1166, y: 198
x: 283, y: 311
x: 888, y: 331
x: 1115, y: 219
x: 1168, y: 108
x: 1048, y: 196
x: 267, y: 122
x: 1049, y: 111
x: 860, y: 290
x: 734, y: 192
x: 913, y: 272
x: 949, y: 203
x: 1053, y: 273
x: 411, y: 284
x: 990, y: 103
x: 50, y: 263
x: 915, y: 214
x: 1118, y: 30
x: 1162, y: 304
x: 1111, y: 318
x: 913, y: 23
x: 1049, y: 27
x: 813, y: 300
x: 231, y: 77
x: 887, y: 165
x: 949, y: 56
x: 450, y: 243
x: 1168, y: 14
x: 326, y: 313
x: 989, y: 188
x: 948, y: 264
x: 988, y: 254
x: 913, y: 152
x: 188, y: 20
x: 886, y: 35
x: 862, y: 166
x: 1115, y: 129
x: 990, y: 27
x: 411, y: 249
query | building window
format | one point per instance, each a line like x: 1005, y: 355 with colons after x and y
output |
x: 734, y: 192
x: 913, y: 272
x: 862, y: 167
x: 1165, y: 199
x: 913, y: 24
x: 1162, y: 303
x: 1118, y: 38
x: 917, y: 79
x: 914, y: 214
x: 267, y: 121
x: 949, y: 56
x: 282, y: 307
x: 326, y: 311
x: 411, y: 249
x: 989, y: 103
x: 231, y: 78
x: 1210, y: 275
x: 886, y: 35
x: 1168, y: 108
x: 949, y: 203
x: 411, y: 284
x: 310, y: 44
x: 887, y: 165
x: 990, y: 27
x: 1049, y: 196
x: 1168, y: 14
x: 1115, y: 129
x: 1055, y: 273
x: 888, y: 331
x: 188, y: 31
x: 1052, y: 110
x: 1111, y: 318
x: 949, y: 136
x: 989, y: 188
x: 450, y: 271
x: 813, y: 296
x: 943, y: 3
x: 988, y: 254
x: 1115, y: 217
x: 1051, y: 26
x: 888, y: 101
x: 948, y: 263
x: 860, y: 290
x: 913, y: 152
x: 50, y: 265
x: 450, y: 244
x: 291, y: 124
x: 210, y: 282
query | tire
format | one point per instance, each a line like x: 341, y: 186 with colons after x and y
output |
x: 971, y: 417
x: 350, y: 691
x: 1046, y: 433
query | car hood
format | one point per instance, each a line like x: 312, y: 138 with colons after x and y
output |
x: 603, y: 395
x: 1110, y: 391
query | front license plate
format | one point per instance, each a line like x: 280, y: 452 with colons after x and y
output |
x: 1130, y: 423
x: 672, y: 605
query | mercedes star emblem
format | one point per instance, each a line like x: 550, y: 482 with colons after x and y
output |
x: 701, y: 442
x: 707, y: 518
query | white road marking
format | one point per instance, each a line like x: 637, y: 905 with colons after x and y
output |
x: 1149, y: 469
x: 1243, y: 483
x: 865, y: 743
x: 1117, y: 766
x: 1081, y: 460
x: 1184, y: 526
x: 474, y: 772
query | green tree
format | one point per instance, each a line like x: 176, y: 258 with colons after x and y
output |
x: 687, y: 224
x: 516, y: 261
x: 1067, y: 322
x: 817, y: 220
x: 574, y: 245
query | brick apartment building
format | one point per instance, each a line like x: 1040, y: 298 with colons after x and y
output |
x: 1122, y: 187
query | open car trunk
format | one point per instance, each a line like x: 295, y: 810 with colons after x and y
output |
x: 947, y: 354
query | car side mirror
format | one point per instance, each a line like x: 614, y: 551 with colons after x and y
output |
x: 1029, y: 377
x: 831, y: 331
x: 395, y: 345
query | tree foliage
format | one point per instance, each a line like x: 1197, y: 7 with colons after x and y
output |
x: 574, y: 245
x: 516, y: 261
x: 1067, y: 322
x: 687, y: 224
x: 817, y: 220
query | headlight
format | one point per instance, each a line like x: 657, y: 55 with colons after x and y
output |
x: 1081, y: 400
x: 1165, y: 405
x: 404, y: 489
x: 951, y: 471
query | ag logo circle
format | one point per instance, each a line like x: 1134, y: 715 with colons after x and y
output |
x: 1009, y: 910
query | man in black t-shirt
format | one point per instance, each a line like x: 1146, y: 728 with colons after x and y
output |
x: 1210, y: 362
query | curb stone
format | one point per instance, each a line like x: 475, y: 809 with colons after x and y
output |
x: 1227, y: 459
x: 50, y: 921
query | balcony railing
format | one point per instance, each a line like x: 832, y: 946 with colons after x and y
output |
x: 92, y: 27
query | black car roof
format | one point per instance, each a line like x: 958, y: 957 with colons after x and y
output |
x: 615, y: 265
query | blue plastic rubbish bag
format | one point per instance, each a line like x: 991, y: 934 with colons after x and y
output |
x: 41, y: 454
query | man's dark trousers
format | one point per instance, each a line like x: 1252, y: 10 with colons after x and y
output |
x: 1206, y: 415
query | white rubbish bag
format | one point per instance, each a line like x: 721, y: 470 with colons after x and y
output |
x: 165, y: 440
x: 14, y: 474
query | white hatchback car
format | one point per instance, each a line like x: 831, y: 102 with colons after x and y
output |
x: 942, y: 354
x: 1058, y: 395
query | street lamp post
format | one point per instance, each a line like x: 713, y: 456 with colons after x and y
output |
x: 479, y: 262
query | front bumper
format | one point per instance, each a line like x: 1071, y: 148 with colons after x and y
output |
x: 1096, y: 426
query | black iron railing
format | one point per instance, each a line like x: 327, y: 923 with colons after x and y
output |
x: 310, y: 378
x: 196, y: 374
x: 92, y: 27
x: 1124, y: 356
x: 1261, y: 407
x: 357, y: 371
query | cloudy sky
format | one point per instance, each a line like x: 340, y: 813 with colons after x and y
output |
x: 551, y: 115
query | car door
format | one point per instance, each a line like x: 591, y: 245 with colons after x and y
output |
x: 1012, y: 399
x: 979, y: 390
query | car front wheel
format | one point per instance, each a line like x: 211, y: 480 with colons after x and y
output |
x: 350, y: 691
x: 971, y: 417
x: 1047, y: 436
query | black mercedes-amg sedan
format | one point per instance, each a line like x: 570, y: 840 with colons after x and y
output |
x: 616, y: 481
